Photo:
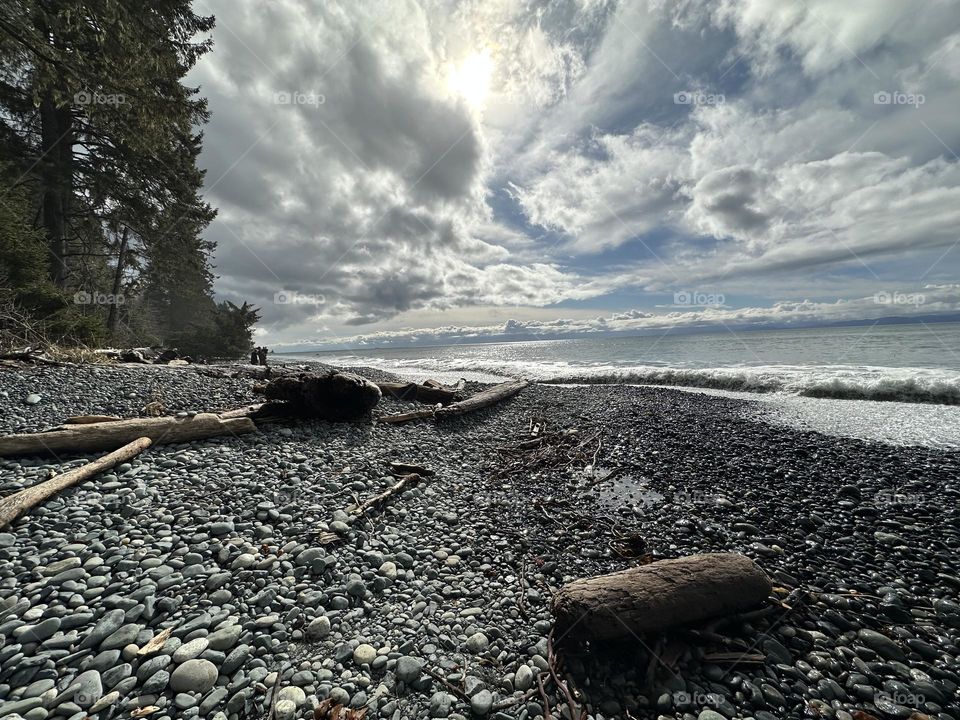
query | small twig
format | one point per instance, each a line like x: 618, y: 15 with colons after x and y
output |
x: 575, y: 711
x: 543, y: 696
x: 447, y: 684
x: 516, y: 700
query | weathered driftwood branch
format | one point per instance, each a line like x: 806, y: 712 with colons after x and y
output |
x: 407, y: 481
x: 245, y: 411
x: 407, y: 416
x: 484, y: 398
x: 402, y: 468
x: 110, y: 435
x: 13, y: 506
x: 430, y: 392
x: 33, y: 355
x: 660, y: 595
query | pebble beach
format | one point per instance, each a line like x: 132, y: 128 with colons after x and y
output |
x: 225, y: 579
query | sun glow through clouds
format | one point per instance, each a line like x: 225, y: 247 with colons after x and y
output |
x: 471, y: 78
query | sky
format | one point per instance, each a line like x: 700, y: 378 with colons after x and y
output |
x: 399, y: 172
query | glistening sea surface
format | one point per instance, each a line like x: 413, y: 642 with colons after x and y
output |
x: 893, y: 383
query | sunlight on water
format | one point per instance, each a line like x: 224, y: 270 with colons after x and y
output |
x: 824, y: 379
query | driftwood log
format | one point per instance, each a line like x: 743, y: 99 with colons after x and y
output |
x: 13, y: 506
x: 660, y: 595
x: 484, y: 398
x: 113, y: 434
x: 337, y: 396
x: 430, y: 392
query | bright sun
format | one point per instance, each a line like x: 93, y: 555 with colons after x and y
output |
x: 471, y: 78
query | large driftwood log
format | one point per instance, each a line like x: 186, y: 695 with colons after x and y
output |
x: 430, y: 392
x: 332, y: 395
x: 110, y: 435
x: 659, y: 595
x: 484, y: 398
x: 13, y: 506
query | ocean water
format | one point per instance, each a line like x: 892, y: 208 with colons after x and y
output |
x: 893, y: 383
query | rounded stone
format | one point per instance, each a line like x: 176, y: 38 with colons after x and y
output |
x: 194, y: 676
x: 524, y: 678
x: 190, y: 650
x: 285, y: 710
x: 318, y: 628
x: 364, y: 654
x: 408, y: 669
x: 293, y: 694
x: 481, y: 702
x: 477, y: 643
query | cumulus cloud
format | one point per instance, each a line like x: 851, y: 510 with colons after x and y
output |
x: 887, y: 303
x: 375, y: 161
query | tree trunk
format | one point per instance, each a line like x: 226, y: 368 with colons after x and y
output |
x: 56, y: 175
x: 117, y: 279
x: 110, y: 435
x: 660, y: 595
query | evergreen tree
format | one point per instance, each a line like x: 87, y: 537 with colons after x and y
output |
x: 92, y: 89
x: 102, y: 138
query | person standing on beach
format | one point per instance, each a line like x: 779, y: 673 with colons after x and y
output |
x: 255, y: 356
x: 263, y: 356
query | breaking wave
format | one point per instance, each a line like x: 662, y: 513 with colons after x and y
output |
x: 843, y: 382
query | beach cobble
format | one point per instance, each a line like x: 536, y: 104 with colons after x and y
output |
x: 200, y: 579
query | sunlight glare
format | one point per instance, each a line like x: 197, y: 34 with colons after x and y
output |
x: 471, y: 78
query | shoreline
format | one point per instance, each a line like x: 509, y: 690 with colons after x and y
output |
x: 222, y: 534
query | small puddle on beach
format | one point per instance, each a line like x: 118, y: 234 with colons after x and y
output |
x: 623, y: 491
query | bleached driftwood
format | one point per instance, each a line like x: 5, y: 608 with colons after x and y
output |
x: 484, y: 398
x: 430, y: 392
x: 406, y: 481
x: 113, y: 434
x: 13, y: 506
